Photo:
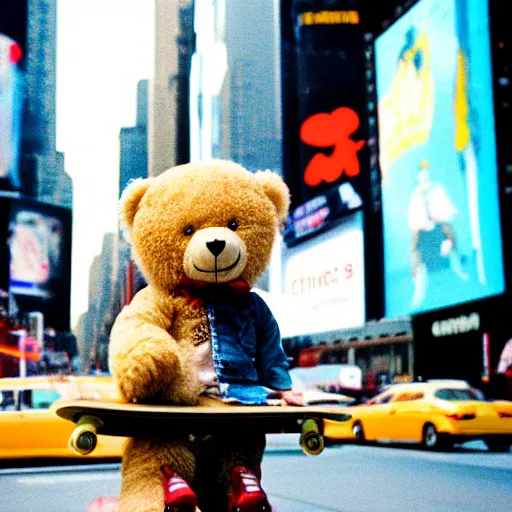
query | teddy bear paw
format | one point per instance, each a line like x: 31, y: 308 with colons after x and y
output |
x: 143, y: 380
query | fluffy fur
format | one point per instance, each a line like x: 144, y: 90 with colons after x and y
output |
x: 155, y: 339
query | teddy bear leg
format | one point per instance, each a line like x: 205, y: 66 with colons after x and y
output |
x: 142, y: 487
x: 217, y: 458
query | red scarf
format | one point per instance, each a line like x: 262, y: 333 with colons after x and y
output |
x: 199, y: 293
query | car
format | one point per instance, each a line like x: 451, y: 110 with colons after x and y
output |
x: 315, y: 397
x: 304, y: 382
x: 28, y: 429
x: 435, y: 414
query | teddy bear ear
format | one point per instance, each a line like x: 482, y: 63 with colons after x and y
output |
x: 276, y: 190
x: 129, y: 202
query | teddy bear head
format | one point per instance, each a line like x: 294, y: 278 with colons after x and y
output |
x: 208, y: 221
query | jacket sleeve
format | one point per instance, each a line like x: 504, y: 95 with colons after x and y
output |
x: 272, y: 360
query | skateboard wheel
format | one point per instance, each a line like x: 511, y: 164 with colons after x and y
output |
x: 83, y: 440
x: 311, y: 441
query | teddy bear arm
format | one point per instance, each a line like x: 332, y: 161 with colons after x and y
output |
x: 144, y: 358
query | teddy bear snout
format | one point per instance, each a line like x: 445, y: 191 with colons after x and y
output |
x: 215, y: 255
x: 216, y: 247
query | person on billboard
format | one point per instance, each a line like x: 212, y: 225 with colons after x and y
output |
x: 466, y: 131
x: 430, y: 216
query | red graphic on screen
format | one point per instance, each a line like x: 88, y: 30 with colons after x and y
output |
x: 15, y: 53
x: 332, y: 130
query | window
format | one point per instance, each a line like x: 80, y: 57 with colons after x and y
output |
x: 456, y: 394
x: 43, y: 398
x: 382, y: 399
x: 7, y: 401
x: 407, y: 397
x: 38, y: 398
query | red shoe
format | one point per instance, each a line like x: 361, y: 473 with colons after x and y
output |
x: 179, y: 497
x: 246, y: 492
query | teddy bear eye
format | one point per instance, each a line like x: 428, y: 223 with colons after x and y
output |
x: 233, y: 225
x: 188, y: 231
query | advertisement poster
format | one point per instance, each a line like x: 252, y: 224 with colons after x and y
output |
x: 442, y: 236
x: 38, y: 259
x: 37, y: 253
x: 323, y: 281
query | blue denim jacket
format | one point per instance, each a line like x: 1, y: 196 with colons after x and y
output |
x: 247, y: 352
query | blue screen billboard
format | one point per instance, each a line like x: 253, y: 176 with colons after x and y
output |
x: 442, y: 234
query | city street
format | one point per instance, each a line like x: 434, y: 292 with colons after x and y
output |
x: 348, y: 479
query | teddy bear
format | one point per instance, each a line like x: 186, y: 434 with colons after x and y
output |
x: 201, y: 234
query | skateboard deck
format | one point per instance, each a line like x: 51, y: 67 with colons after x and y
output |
x: 210, y: 417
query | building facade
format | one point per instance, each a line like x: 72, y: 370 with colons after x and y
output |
x: 235, y: 83
x: 168, y: 91
x: 42, y: 173
x: 133, y: 142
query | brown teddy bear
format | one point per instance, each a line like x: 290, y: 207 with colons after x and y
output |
x: 201, y: 234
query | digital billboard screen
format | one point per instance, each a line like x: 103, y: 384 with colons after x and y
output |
x: 37, y: 239
x: 11, y: 91
x: 437, y: 150
x: 324, y: 280
x: 325, y: 148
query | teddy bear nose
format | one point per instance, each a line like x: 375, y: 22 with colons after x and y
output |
x: 216, y: 247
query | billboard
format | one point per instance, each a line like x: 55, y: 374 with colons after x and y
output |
x: 37, y: 251
x: 323, y: 281
x: 324, y: 114
x: 442, y: 234
x: 11, y: 85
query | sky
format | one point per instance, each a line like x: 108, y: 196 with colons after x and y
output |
x: 104, y: 47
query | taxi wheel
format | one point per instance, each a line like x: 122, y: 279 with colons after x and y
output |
x: 430, y: 438
x: 358, y: 431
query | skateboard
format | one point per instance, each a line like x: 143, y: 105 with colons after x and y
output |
x: 94, y: 418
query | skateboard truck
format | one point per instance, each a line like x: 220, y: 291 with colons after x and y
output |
x: 311, y: 441
x: 83, y: 440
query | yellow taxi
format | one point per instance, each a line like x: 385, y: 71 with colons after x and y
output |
x: 28, y: 429
x: 435, y: 414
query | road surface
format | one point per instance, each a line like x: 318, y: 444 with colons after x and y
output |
x: 343, y: 479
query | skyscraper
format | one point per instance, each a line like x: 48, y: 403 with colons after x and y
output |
x: 39, y: 130
x: 168, y: 137
x: 42, y: 171
x: 235, y: 83
x: 162, y: 100
x: 252, y: 52
x: 125, y: 279
x: 91, y: 330
x: 133, y: 142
